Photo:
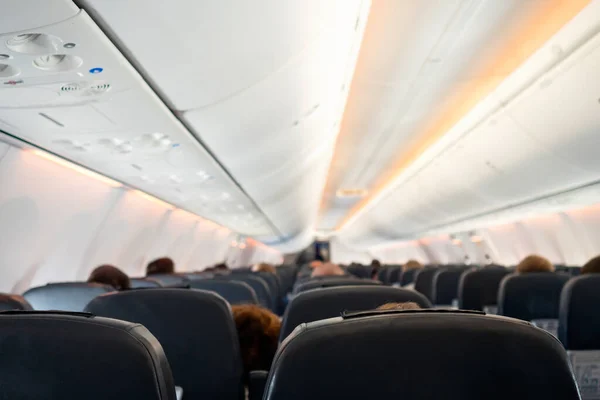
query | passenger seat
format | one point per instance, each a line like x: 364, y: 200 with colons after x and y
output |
x: 579, y: 331
x: 195, y: 328
x: 420, y: 354
x: 534, y: 297
x: 63, y: 356
x: 66, y: 296
x: 13, y: 302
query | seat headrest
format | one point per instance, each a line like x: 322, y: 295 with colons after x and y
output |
x: 330, y: 302
x: 259, y: 285
x: 579, y: 325
x: 65, y: 296
x: 61, y: 356
x: 479, y: 287
x: 421, y: 355
x: 195, y: 328
x: 170, y: 280
x: 139, y: 283
x: 407, y: 277
x: 235, y: 292
x: 531, y: 296
x: 317, y: 283
x: 445, y: 285
x: 13, y: 302
x: 424, y: 281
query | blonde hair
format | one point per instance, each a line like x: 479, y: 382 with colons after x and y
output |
x: 327, y: 269
x: 412, y: 264
x: 408, y: 305
x: 535, y: 263
x: 264, y: 267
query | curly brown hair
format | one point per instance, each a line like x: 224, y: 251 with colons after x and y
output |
x: 163, y: 265
x: 407, y: 305
x: 535, y: 263
x: 258, y: 332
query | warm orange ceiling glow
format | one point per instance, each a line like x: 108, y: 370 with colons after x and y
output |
x: 520, y: 45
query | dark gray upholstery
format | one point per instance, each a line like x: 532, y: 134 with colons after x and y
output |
x: 394, y: 275
x: 235, y: 292
x: 534, y: 295
x: 66, y: 296
x: 170, y: 280
x: 331, y: 281
x: 579, y: 313
x: 424, y: 281
x: 479, y: 287
x: 407, y: 277
x: 13, y: 302
x: 415, y: 355
x: 141, y: 283
x: 445, y: 285
x: 62, y: 356
x: 330, y: 302
x: 197, y: 331
x: 260, y: 287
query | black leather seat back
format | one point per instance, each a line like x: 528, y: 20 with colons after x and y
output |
x: 260, y: 287
x: 325, y: 282
x: 53, y: 356
x: 235, y: 292
x: 407, y: 277
x: 143, y: 283
x: 360, y: 271
x: 478, y: 288
x: 195, y: 328
x: 421, y: 355
x: 394, y: 276
x: 424, y: 281
x: 330, y: 302
x: 579, y: 316
x: 13, y: 302
x: 170, y: 280
x: 445, y: 285
x: 66, y: 296
x: 531, y: 296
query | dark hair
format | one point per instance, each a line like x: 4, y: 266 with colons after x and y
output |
x: 535, y: 263
x: 162, y: 265
x: 110, y: 275
x: 375, y: 263
x: 258, y: 332
x: 592, y: 266
x: 221, y: 267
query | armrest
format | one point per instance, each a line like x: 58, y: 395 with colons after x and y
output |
x: 256, y: 384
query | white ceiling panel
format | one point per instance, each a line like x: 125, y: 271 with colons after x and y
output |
x: 86, y: 103
x: 416, y: 56
x: 540, y: 144
x: 199, y: 53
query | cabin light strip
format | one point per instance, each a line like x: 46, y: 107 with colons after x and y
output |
x: 554, y: 17
x: 114, y: 184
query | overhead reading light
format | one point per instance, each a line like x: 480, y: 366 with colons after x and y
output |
x: 75, y: 167
x: 345, y: 193
x: 456, y: 241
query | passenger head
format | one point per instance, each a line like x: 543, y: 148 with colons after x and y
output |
x: 327, y: 269
x: 408, y: 305
x: 375, y: 264
x: 162, y: 265
x: 315, y: 264
x: 264, y: 267
x: 258, y: 332
x: 110, y: 275
x: 412, y: 264
x: 375, y: 267
x: 592, y: 266
x: 535, y: 263
x: 221, y: 267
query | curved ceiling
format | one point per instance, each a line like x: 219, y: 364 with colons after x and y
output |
x: 532, y: 137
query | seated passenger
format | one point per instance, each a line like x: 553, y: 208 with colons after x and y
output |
x: 408, y: 305
x: 258, y: 332
x: 592, y: 266
x: 264, y: 267
x: 327, y: 269
x: 535, y: 263
x: 412, y: 264
x: 221, y: 267
x: 110, y: 275
x: 375, y: 267
x: 315, y: 264
x: 163, y: 265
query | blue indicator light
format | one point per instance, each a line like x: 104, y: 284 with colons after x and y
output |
x: 96, y: 70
